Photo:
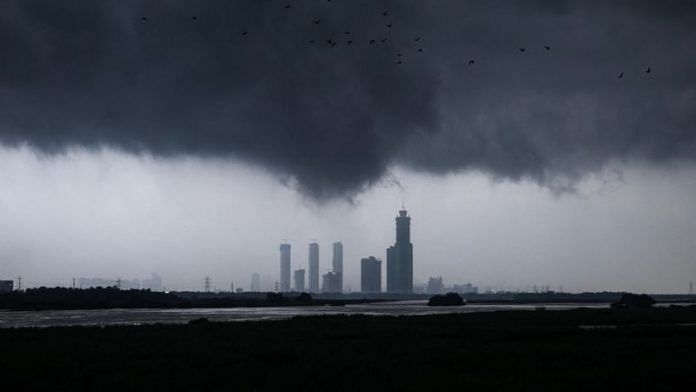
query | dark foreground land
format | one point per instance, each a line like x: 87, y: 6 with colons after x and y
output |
x: 534, y: 350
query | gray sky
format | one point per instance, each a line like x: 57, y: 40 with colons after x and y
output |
x: 192, y: 147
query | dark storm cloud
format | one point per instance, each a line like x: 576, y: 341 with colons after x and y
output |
x: 242, y: 79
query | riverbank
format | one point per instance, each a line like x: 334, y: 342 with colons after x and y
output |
x: 561, y: 350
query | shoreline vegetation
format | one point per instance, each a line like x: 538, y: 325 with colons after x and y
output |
x: 582, y: 349
x: 59, y: 298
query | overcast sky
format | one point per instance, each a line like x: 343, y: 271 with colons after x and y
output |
x: 189, y: 138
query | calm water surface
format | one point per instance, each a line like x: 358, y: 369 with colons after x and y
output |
x: 52, y: 318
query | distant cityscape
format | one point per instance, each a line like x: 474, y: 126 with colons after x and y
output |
x: 399, y: 274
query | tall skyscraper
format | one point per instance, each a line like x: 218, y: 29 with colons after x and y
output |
x: 313, y: 267
x: 284, y: 267
x: 400, y: 257
x: 337, y: 264
x: 299, y: 280
x: 371, y: 275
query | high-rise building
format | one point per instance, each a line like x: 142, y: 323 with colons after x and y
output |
x: 370, y: 275
x: 255, y: 282
x: 299, y: 280
x: 400, y: 257
x: 330, y: 282
x: 337, y: 264
x: 284, y: 267
x: 313, y: 267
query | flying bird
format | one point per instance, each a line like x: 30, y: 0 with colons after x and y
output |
x: 349, y: 43
x: 316, y: 21
x: 522, y: 49
x: 416, y: 39
x: 333, y: 44
x: 647, y: 71
x: 399, y: 54
x: 389, y: 25
x: 547, y: 47
x: 471, y: 62
x: 372, y: 42
x: 621, y: 75
x: 383, y: 40
x: 311, y: 41
x: 385, y: 13
x: 287, y: 6
x: 144, y: 19
x: 245, y: 32
x: 194, y: 18
x: 420, y: 50
x: 346, y: 32
x: 399, y: 62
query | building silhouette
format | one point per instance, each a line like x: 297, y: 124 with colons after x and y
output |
x: 435, y: 286
x: 6, y: 286
x: 255, y: 282
x: 284, y: 267
x: 299, y: 280
x: 330, y: 282
x: 337, y: 264
x: 370, y: 275
x: 313, y: 267
x: 400, y: 257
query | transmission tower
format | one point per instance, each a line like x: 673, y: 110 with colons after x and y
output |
x: 207, y: 284
x: 691, y: 288
x: 118, y: 283
x: 19, y: 283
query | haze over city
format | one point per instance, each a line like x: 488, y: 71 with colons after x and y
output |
x: 537, y: 143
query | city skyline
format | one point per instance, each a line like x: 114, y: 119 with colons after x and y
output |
x: 543, y: 143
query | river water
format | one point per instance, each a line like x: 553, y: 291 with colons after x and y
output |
x: 50, y: 318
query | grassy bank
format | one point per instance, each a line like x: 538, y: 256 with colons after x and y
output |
x: 643, y: 350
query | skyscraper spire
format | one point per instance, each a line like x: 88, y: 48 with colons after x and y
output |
x: 400, y: 257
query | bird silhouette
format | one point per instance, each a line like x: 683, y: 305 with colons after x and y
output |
x: 316, y: 21
x: 333, y: 44
x: 349, y: 43
x: 471, y: 62
x: 245, y: 32
x: 399, y: 62
x: 416, y: 39
x: 144, y: 19
x: 346, y: 32
x: 194, y: 18
x: 287, y: 6
x: 647, y: 71
x: 372, y: 42
x: 385, y: 13
x: 389, y: 25
x: 420, y: 50
x: 522, y: 49
x: 547, y: 47
x: 621, y: 75
x: 383, y: 40
x: 399, y: 54
x: 311, y: 41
